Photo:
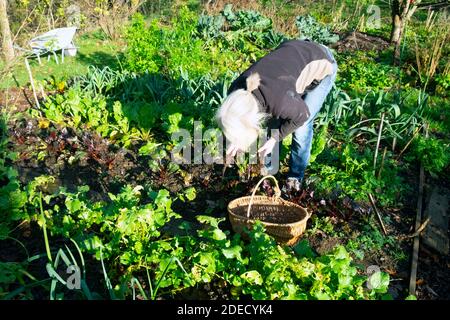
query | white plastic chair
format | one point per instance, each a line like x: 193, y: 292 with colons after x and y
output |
x: 52, y: 41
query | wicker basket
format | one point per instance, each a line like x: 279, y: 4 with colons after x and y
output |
x: 284, y: 220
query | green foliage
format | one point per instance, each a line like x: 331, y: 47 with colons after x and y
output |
x: 322, y: 224
x: 171, y: 49
x: 242, y: 30
x: 356, y: 118
x: 124, y: 123
x: 284, y: 276
x: 189, y: 194
x: 319, y: 142
x: 124, y: 222
x: 210, y: 27
x: 359, y: 72
x: 144, y: 46
x: 310, y: 29
x: 443, y: 84
x: 100, y: 80
x: 12, y: 198
x: 199, y: 45
x: 76, y: 109
x: 242, y: 19
x: 13, y: 202
x: 371, y: 241
x: 128, y: 231
x: 9, y: 274
x: 184, y: 50
x: 347, y: 172
x: 433, y: 153
x: 438, y: 115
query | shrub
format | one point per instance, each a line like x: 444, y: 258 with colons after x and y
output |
x: 360, y: 73
x: 170, y: 50
x: 432, y: 153
x: 12, y: 198
x: 144, y: 46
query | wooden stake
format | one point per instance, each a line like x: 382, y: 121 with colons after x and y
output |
x: 378, y: 142
x: 415, y: 254
x: 409, y: 142
x: 378, y: 213
x: 382, y: 163
x: 27, y: 65
x: 43, y: 94
x: 6, y: 98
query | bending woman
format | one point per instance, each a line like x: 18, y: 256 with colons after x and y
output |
x: 288, y: 85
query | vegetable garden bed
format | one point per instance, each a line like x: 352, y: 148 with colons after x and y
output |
x: 87, y: 180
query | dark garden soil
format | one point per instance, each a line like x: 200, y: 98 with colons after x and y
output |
x: 358, y: 41
x: 20, y: 98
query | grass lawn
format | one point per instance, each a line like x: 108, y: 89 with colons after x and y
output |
x: 93, y: 49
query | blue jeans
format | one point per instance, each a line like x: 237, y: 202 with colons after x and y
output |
x: 302, y: 137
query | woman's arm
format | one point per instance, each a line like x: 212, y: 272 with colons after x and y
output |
x: 294, y: 113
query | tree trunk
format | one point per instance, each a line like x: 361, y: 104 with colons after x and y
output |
x: 397, y: 28
x: 396, y: 35
x: 402, y: 11
x: 7, y: 45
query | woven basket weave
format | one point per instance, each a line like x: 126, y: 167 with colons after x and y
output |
x: 284, y: 220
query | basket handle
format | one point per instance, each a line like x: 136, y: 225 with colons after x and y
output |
x: 277, y: 191
x: 308, y: 213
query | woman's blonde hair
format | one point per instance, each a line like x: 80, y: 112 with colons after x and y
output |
x: 240, y: 117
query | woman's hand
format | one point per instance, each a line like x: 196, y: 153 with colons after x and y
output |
x: 232, y: 150
x: 267, y: 147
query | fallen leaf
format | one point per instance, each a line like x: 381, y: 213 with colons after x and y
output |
x: 391, y: 272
